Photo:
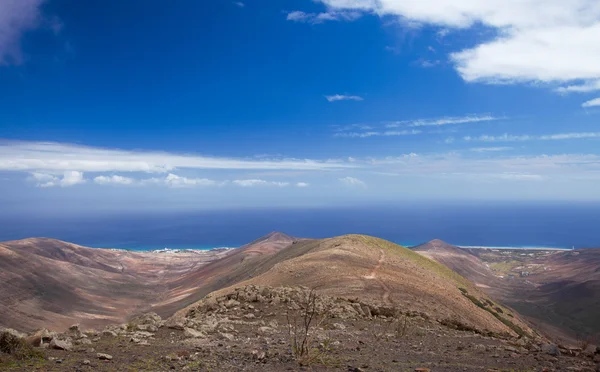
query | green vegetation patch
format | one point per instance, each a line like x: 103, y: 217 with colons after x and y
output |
x: 494, y: 311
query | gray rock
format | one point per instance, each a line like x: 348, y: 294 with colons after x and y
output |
x: 265, y: 330
x: 147, y: 327
x: 84, y: 341
x: 227, y: 336
x: 103, y: 356
x: 61, y: 344
x: 338, y: 326
x: 74, y: 327
x: 550, y: 349
x: 192, y: 333
x: 480, y: 348
x: 109, y: 333
x: 141, y: 334
x: 175, y: 323
x: 86, y: 362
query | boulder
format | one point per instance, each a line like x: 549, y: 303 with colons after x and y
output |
x: 192, y: 333
x: 61, y: 344
x: 38, y: 338
x: 147, y: 327
x: 550, y: 349
x: 103, y: 356
x: 175, y: 323
x: 84, y: 341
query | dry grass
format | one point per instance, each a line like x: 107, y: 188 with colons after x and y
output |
x: 17, y: 348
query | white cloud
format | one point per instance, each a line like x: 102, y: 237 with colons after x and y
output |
x: 550, y: 41
x: 175, y: 181
x: 257, y: 182
x: 561, y: 167
x: 448, y: 120
x: 592, y: 103
x: 302, y: 184
x: 316, y: 18
x: 389, y: 133
x: 490, y: 149
x: 341, y: 97
x: 351, y: 181
x: 589, y: 86
x: 69, y: 178
x: 56, y: 158
x: 428, y: 64
x: 114, y: 180
x: 519, y: 176
x: 16, y: 17
x: 548, y: 137
x: 239, y: 3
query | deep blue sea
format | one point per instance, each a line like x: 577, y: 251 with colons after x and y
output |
x: 558, y: 225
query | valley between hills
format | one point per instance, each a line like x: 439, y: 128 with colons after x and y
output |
x: 352, y: 302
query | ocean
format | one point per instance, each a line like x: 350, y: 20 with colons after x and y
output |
x: 553, y: 225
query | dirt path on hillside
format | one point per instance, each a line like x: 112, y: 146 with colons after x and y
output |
x: 373, y: 276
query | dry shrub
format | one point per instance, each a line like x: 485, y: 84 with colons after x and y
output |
x: 302, y: 325
x: 17, y: 347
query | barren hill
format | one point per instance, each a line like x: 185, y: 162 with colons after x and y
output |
x: 50, y: 283
x: 565, y: 294
x: 237, y: 266
x: 378, y: 271
x: 557, y: 291
x: 459, y: 260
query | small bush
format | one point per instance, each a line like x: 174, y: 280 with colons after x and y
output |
x: 17, y: 347
x: 458, y: 325
x: 302, y: 325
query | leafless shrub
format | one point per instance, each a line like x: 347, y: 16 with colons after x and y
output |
x: 302, y: 324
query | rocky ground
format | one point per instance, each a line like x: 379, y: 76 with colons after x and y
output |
x: 277, y: 329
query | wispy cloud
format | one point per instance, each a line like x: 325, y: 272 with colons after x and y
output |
x: 69, y: 178
x: 341, y: 97
x: 114, y: 180
x: 589, y: 86
x: 352, y: 181
x: 256, y: 182
x: 429, y: 63
x: 454, y: 164
x: 518, y: 176
x: 316, y: 18
x: 302, y: 184
x: 592, y: 103
x: 239, y: 3
x: 175, y: 181
x: 16, y: 17
x: 449, y: 120
x: 490, y: 149
x: 389, y: 133
x: 57, y: 158
x: 548, y: 137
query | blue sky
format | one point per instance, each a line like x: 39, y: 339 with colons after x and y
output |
x: 219, y: 104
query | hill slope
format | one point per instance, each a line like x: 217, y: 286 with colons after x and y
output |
x: 378, y: 271
x: 459, y: 260
x: 50, y: 283
x: 237, y: 266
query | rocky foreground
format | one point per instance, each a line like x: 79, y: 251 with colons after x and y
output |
x: 274, y: 329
